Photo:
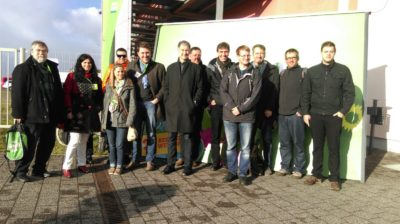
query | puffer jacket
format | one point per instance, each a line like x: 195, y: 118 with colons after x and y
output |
x: 119, y: 119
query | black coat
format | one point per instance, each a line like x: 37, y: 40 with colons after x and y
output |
x: 182, y: 95
x: 28, y: 101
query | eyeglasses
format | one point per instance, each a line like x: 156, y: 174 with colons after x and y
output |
x: 244, y: 56
x: 291, y: 58
x: 121, y: 55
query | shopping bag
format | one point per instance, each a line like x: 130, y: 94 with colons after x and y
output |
x: 16, y: 142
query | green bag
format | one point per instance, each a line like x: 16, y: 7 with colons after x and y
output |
x: 16, y: 142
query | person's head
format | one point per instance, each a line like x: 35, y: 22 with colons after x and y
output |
x: 243, y: 54
x: 195, y: 55
x: 85, y: 64
x: 121, y: 56
x: 291, y: 57
x: 258, y: 53
x: 183, y: 50
x: 39, y: 51
x: 144, y: 52
x: 119, y: 72
x: 328, y: 51
x: 223, y: 51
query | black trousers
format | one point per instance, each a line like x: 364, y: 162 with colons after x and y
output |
x: 196, y: 137
x: 186, y: 148
x: 216, y: 128
x: 41, y: 139
x: 330, y: 127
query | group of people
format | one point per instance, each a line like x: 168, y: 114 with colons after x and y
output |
x: 241, y: 97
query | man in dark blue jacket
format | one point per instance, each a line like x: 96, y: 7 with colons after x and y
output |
x: 328, y: 93
x: 37, y: 103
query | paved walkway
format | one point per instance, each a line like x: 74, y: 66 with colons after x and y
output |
x: 151, y: 197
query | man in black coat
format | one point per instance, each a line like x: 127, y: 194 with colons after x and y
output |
x: 37, y: 103
x: 182, y: 96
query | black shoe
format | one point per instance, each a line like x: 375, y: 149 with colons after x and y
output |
x: 216, y: 167
x: 45, y: 174
x: 187, y: 172
x: 22, y: 178
x: 244, y: 181
x: 230, y: 177
x: 168, y: 169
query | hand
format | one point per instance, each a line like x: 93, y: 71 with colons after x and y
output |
x: 213, y: 103
x: 268, y: 113
x: 306, y: 119
x: 338, y: 114
x: 69, y: 115
x: 298, y: 114
x: 155, y: 101
x: 235, y: 111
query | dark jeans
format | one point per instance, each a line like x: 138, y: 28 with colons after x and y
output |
x: 291, y: 137
x: 116, y: 139
x: 196, y: 138
x: 266, y: 127
x: 89, y: 148
x: 216, y: 128
x: 330, y: 127
x: 186, y: 148
x: 145, y: 116
x: 41, y: 139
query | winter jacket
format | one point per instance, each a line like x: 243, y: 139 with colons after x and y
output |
x: 242, y: 92
x: 290, y: 88
x: 215, y: 75
x: 28, y: 101
x: 327, y: 89
x: 182, y: 94
x: 156, y: 75
x: 83, y: 97
x: 118, y: 117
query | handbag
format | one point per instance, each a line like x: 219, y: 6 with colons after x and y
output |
x: 132, y: 134
x: 16, y: 142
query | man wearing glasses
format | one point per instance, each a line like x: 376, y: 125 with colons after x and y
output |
x: 120, y: 59
x: 239, y: 91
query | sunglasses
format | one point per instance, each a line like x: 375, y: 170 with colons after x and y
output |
x: 121, y: 55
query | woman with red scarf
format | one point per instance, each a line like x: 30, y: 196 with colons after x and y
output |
x: 83, y: 98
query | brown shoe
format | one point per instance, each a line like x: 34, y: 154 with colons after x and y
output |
x: 335, y: 186
x: 111, y: 170
x: 130, y: 165
x: 118, y: 171
x: 149, y: 166
x: 312, y: 180
x: 179, y: 162
x: 196, y: 164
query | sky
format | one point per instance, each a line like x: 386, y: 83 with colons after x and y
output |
x: 67, y: 26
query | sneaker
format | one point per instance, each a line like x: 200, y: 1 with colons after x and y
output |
x: 312, y: 180
x: 83, y: 169
x: 67, y: 173
x: 335, y: 186
x: 179, y: 162
x: 131, y: 165
x: 230, y: 177
x: 111, y: 170
x: 297, y: 175
x: 118, y: 171
x: 149, y: 166
x: 282, y: 172
x: 244, y: 181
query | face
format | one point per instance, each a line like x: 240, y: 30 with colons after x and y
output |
x: 223, y: 54
x: 244, y: 57
x: 120, y: 57
x: 86, y: 65
x: 258, y: 55
x: 195, y: 56
x: 39, y: 53
x: 183, y: 52
x: 144, y: 55
x: 291, y: 59
x: 328, y: 54
x: 119, y: 73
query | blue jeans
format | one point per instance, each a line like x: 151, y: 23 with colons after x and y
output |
x: 145, y: 115
x: 245, y: 131
x: 116, y: 138
x: 291, y: 136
